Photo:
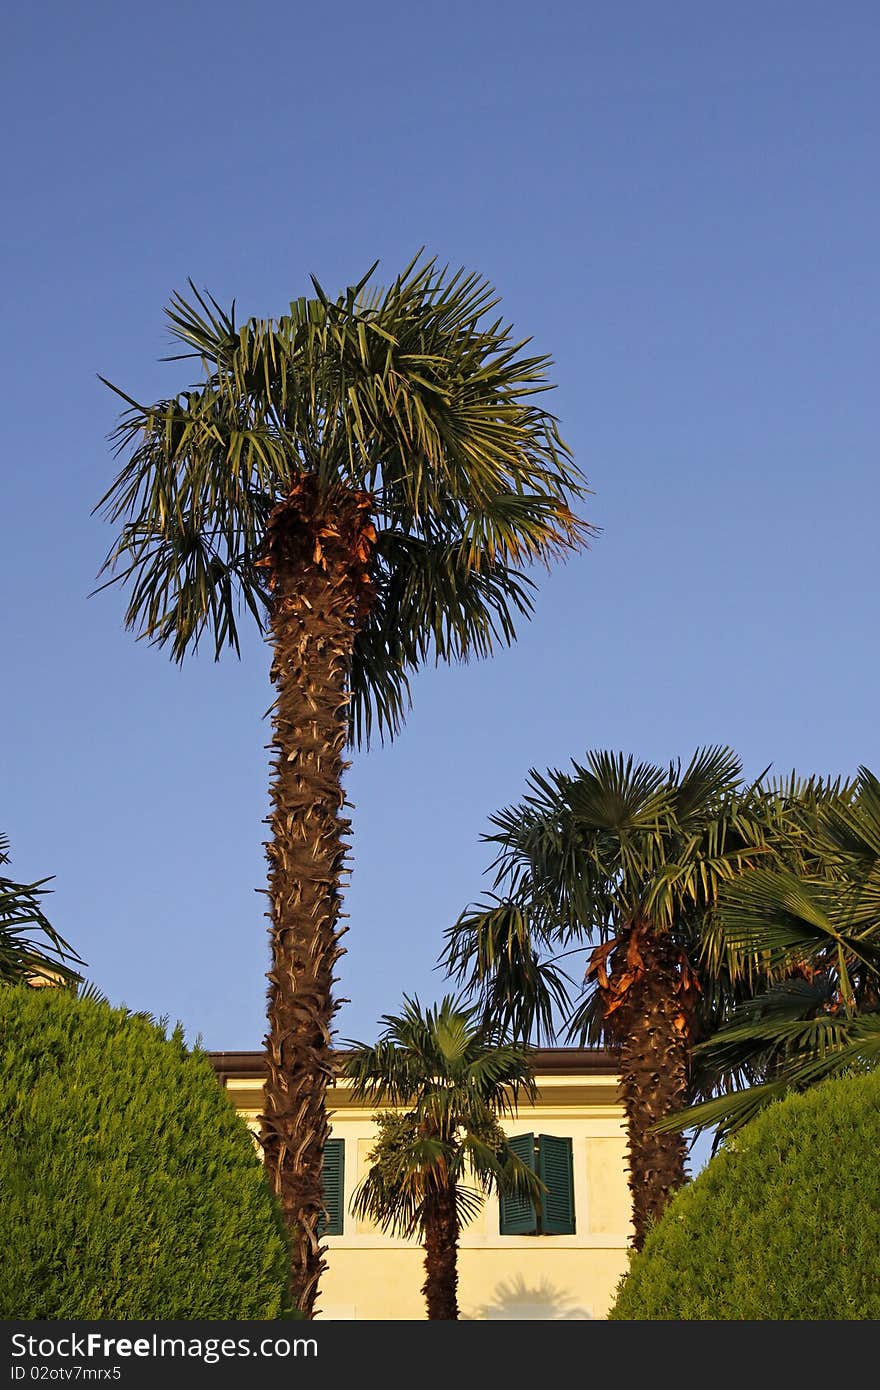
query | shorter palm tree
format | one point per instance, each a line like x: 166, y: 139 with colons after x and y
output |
x: 442, y: 1149
x: 23, y: 956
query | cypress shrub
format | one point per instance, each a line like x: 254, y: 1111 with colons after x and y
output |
x: 130, y: 1188
x: 783, y: 1223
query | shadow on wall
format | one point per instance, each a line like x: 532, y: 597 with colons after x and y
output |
x: 519, y: 1302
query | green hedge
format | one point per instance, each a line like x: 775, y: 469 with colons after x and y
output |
x: 130, y: 1188
x: 782, y: 1224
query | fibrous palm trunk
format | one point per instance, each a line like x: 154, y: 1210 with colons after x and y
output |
x: 317, y: 551
x: 441, y: 1254
x: 651, y: 1025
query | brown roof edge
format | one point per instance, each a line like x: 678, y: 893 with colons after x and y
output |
x: 548, y: 1061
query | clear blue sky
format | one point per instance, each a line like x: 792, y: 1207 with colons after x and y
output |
x: 678, y: 202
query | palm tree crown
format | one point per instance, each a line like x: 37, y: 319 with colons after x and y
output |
x: 411, y: 400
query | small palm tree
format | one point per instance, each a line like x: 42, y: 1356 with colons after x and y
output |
x: 371, y: 478
x: 24, y: 957
x: 433, y: 1163
x: 626, y: 859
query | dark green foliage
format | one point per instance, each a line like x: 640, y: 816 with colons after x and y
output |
x: 131, y: 1189
x: 784, y: 1223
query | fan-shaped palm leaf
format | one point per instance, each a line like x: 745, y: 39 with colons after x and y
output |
x: 24, y: 956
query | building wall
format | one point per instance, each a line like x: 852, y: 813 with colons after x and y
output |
x: 374, y: 1276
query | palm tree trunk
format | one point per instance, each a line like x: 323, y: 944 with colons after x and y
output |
x: 312, y: 559
x: 652, y: 1031
x: 441, y: 1254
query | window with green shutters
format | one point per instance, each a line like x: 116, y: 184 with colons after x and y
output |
x: 518, y: 1216
x: 551, y: 1158
x: 334, y: 1186
x: 556, y: 1170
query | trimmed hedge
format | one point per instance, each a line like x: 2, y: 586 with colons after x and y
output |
x: 130, y: 1188
x: 783, y: 1223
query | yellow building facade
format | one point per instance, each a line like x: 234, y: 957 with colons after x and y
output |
x: 506, y: 1269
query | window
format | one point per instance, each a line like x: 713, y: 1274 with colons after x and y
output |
x: 334, y: 1187
x: 551, y: 1159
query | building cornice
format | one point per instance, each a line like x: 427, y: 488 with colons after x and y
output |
x: 546, y: 1061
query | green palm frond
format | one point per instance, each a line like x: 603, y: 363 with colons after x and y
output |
x: 402, y: 1166
x: 781, y: 1023
x: 489, y: 1157
x: 856, y: 1048
x: 587, y: 852
x: 497, y: 949
x: 726, y: 1113
x: 851, y: 824
x: 24, y: 955
x: 787, y: 920
x: 802, y: 1053
x: 613, y: 794
x: 713, y: 775
x: 796, y: 813
x: 585, y: 1019
x: 434, y: 603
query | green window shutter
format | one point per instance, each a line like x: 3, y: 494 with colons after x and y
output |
x: 334, y: 1186
x: 556, y: 1169
x: 517, y: 1214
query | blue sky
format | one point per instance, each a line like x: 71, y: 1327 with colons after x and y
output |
x: 679, y: 203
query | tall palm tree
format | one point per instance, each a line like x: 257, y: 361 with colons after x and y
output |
x: 23, y: 956
x: 627, y: 860
x: 813, y: 925
x: 371, y: 477
x: 455, y: 1076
